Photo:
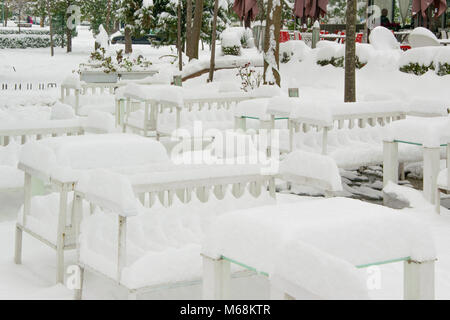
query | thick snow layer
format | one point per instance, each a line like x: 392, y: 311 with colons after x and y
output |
x: 296, y: 49
x: 314, y: 166
x: 354, y: 231
x: 103, y: 121
x: 382, y: 38
x: 11, y: 177
x: 72, y: 80
x: 63, y: 157
x: 422, y: 56
x: 430, y: 132
x: 164, y: 240
x: 302, y: 265
x: 165, y: 93
x: 62, y: 111
x: 256, y: 108
x: 109, y: 190
x: 230, y: 39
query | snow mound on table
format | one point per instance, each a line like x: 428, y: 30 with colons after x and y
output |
x: 166, y: 93
x: 298, y: 49
x: 265, y: 91
x: 63, y: 157
x: 111, y: 191
x: 12, y: 178
x: 9, y: 155
x: 304, y: 264
x: 430, y: 132
x: 102, y: 121
x: 354, y: 231
x: 313, y: 166
x: 427, y: 106
x: 61, y: 111
x: 382, y: 38
x: 442, y: 55
x: 253, y: 108
x: 320, y: 112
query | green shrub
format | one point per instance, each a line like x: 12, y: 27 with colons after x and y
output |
x: 443, y: 69
x: 339, y: 62
x: 232, y: 51
x: 416, y: 68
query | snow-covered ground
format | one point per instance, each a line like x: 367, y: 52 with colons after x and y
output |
x: 379, y: 80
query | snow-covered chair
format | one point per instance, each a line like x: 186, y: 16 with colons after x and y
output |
x: 173, y: 255
x: 314, y: 249
x: 443, y: 181
x: 422, y: 37
x: 56, y: 164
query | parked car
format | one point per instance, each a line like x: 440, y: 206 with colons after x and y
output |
x: 148, y: 39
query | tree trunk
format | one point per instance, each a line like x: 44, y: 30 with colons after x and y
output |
x: 69, y: 39
x: 108, y: 18
x: 188, y: 27
x: 52, y: 44
x: 213, y: 42
x: 5, y: 23
x: 196, y: 29
x: 180, y: 54
x: 42, y: 22
x: 128, y: 40
x: 269, y: 50
x: 350, y: 53
x: 19, y: 20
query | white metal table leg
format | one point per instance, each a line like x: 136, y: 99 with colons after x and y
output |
x: 431, y: 158
x: 216, y: 279
x: 418, y: 280
x: 390, y: 162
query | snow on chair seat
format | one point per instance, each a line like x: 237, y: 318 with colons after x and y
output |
x: 59, y: 162
x: 338, y: 231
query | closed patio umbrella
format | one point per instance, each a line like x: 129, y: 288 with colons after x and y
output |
x: 422, y: 6
x: 246, y: 10
x: 404, y: 7
x: 310, y: 8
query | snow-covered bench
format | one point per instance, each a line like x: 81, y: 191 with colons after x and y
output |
x: 432, y: 134
x: 33, y: 129
x: 158, y: 103
x: 131, y: 256
x: 86, y: 96
x: 56, y: 164
x: 313, y: 249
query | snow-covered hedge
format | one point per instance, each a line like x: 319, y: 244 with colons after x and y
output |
x: 231, y: 44
x: 423, y: 59
x: 25, y: 31
x: 23, y: 41
x: 334, y: 53
x: 293, y: 49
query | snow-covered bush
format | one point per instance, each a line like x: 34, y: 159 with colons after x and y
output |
x: 334, y: 54
x: 293, y: 49
x: 442, y: 61
x: 25, y: 31
x: 23, y: 41
x: 418, y: 60
x: 231, y: 44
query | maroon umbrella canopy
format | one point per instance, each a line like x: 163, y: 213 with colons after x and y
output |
x: 310, y: 8
x: 422, y: 6
x: 246, y: 10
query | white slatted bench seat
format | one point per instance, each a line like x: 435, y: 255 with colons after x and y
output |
x: 131, y: 271
x: 315, y: 247
x: 36, y: 130
x: 158, y: 103
x: 56, y: 164
x: 432, y: 135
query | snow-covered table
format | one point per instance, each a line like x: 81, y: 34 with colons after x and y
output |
x: 59, y: 162
x: 115, y: 196
x: 317, y: 246
x: 429, y: 133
